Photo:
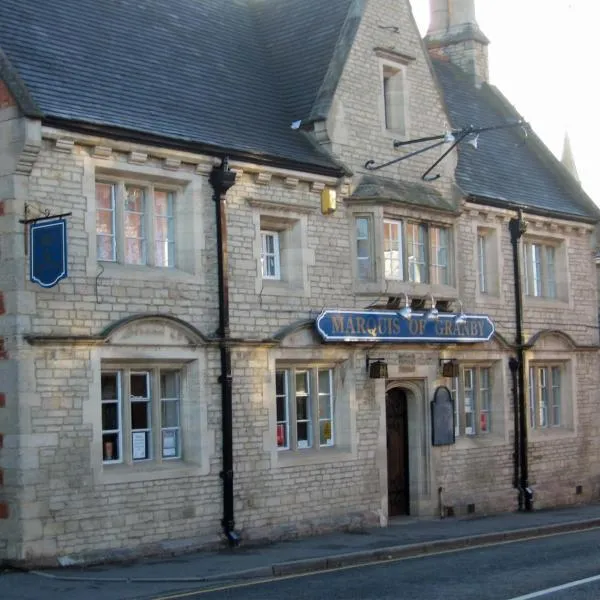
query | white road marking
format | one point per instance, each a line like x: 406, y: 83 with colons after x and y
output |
x: 557, y: 588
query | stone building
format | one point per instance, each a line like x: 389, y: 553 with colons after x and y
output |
x: 347, y: 319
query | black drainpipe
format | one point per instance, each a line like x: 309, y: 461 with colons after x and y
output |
x: 221, y: 179
x: 517, y: 228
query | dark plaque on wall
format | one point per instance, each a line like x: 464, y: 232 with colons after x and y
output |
x: 442, y: 417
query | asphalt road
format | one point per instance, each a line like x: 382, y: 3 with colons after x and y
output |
x: 502, y: 572
x: 512, y: 571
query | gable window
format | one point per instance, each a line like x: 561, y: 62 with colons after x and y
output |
x: 394, y: 99
x: 270, y: 257
x: 140, y: 414
x: 472, y: 395
x: 539, y: 270
x: 305, y: 408
x: 414, y: 252
x: 482, y: 263
x: 135, y: 225
x: 545, y: 391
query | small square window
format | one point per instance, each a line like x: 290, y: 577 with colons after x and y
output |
x: 270, y: 255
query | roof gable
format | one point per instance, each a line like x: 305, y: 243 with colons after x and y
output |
x: 505, y: 167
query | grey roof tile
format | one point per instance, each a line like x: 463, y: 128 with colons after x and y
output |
x: 189, y: 70
x: 504, y: 167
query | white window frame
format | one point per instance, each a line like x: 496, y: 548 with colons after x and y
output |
x: 265, y: 254
x: 539, y: 269
x: 149, y: 223
x: 313, y: 395
x: 480, y: 389
x: 154, y: 433
x: 394, y: 91
x: 393, y: 244
x: 546, y: 413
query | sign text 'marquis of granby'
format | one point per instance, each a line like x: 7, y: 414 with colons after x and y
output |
x: 390, y: 326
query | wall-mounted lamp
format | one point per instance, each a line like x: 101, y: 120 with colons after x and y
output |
x: 377, y: 368
x: 449, y: 367
x: 328, y: 201
x: 433, y: 313
x: 406, y: 312
x: 461, y: 319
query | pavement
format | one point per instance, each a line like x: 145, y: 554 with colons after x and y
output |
x: 404, y: 537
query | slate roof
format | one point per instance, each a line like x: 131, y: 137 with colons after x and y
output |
x: 503, y: 168
x: 227, y: 74
x: 378, y: 187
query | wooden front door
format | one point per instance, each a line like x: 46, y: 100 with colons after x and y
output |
x: 397, y: 452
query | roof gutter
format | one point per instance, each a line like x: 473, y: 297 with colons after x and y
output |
x: 189, y: 146
x: 508, y: 205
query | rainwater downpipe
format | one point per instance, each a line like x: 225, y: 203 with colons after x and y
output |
x: 221, y: 180
x: 517, y: 228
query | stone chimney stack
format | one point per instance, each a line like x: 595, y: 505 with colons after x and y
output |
x: 454, y: 33
x: 568, y: 160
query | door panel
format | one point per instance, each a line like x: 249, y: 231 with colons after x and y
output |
x: 397, y: 452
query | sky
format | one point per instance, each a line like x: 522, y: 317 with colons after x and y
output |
x: 542, y: 56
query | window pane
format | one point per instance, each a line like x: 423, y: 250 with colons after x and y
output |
x: 105, y: 222
x: 303, y: 410
x: 169, y: 384
x: 392, y: 249
x: 139, y: 385
x: 110, y: 447
x: 438, y: 239
x: 110, y: 416
x: 556, y: 396
x: 363, y: 248
x: 393, y: 91
x: 485, y: 393
x: 140, y: 415
x: 169, y: 413
x: 532, y: 397
x: 543, y: 391
x: 164, y: 229
x: 417, y: 263
x: 171, y: 444
x: 550, y: 272
x: 325, y: 432
x: 469, y: 402
x: 281, y: 400
x: 482, y: 260
x: 134, y: 226
x: 108, y: 386
x: 270, y: 258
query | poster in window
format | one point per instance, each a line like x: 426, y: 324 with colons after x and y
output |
x: 138, y: 444
x: 169, y: 443
x: 280, y: 434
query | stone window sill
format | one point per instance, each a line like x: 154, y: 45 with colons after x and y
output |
x: 295, y: 458
x: 551, y: 433
x: 150, y: 471
x: 145, y: 272
x: 467, y: 442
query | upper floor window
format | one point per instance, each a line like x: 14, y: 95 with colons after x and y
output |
x: 140, y: 414
x: 305, y: 408
x: 270, y: 257
x: 472, y: 395
x: 394, y: 99
x: 135, y: 225
x: 539, y: 270
x: 482, y: 263
x: 415, y: 252
x: 364, y: 248
x: 545, y: 391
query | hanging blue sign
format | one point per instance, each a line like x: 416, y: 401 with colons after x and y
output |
x: 391, y: 326
x: 48, y: 252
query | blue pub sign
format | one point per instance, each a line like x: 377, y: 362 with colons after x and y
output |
x: 48, y: 252
x: 391, y: 326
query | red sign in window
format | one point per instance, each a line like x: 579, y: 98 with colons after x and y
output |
x: 280, y: 434
x: 483, y: 421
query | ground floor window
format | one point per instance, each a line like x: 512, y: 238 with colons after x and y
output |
x: 472, y: 396
x: 140, y: 413
x: 304, y: 398
x: 545, y: 391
